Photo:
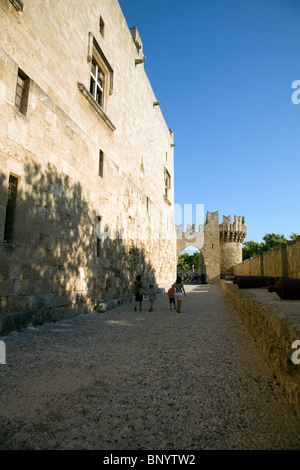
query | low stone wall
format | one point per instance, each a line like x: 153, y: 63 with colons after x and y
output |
x: 274, y: 325
x: 281, y: 261
x: 293, y: 258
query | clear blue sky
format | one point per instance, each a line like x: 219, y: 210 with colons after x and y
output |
x: 223, y: 72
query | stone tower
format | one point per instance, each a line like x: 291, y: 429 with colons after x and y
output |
x: 232, y: 236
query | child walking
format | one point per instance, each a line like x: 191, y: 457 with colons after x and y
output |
x: 171, y: 295
x: 152, y: 297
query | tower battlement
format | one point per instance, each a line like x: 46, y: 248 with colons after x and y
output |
x: 233, y: 232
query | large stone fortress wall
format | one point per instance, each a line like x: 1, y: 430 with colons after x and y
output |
x: 81, y: 169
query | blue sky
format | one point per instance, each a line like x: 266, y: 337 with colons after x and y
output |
x: 223, y: 72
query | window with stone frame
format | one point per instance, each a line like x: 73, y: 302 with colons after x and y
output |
x: 10, y: 209
x: 101, y: 75
x: 22, y: 92
x: 100, y: 81
x: 97, y: 82
x: 167, y: 178
x: 101, y: 164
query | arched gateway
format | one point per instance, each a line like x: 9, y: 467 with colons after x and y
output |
x: 220, y: 244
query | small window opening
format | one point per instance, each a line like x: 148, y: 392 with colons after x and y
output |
x: 22, y: 92
x: 98, y: 240
x: 167, y: 183
x: 10, y: 209
x: 101, y: 164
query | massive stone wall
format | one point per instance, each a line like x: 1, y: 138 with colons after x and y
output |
x: 274, y: 326
x: 80, y: 235
x: 281, y: 261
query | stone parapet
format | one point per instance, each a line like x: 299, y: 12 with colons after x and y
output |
x: 274, y: 325
x: 233, y: 232
x: 280, y: 261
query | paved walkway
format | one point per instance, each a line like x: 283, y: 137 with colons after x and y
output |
x: 139, y: 380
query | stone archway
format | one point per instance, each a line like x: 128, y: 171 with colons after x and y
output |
x: 193, y: 273
x: 220, y: 244
x: 188, y: 238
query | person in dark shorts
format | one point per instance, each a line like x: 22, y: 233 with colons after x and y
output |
x: 138, y: 289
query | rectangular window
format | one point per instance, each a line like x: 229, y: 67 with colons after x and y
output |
x: 17, y: 4
x: 22, y: 92
x: 98, y: 246
x: 97, y: 83
x: 100, y: 81
x: 167, y: 183
x: 101, y: 163
x: 10, y: 209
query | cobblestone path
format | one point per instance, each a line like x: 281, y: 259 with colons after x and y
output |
x: 143, y: 380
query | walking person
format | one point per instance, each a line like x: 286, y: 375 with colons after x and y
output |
x: 152, y: 297
x: 138, y: 289
x: 171, y: 295
x: 179, y: 292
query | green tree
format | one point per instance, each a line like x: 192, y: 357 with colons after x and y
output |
x: 293, y: 236
x: 271, y: 240
x: 196, y: 261
x: 183, y: 261
x: 251, y: 249
x: 187, y: 261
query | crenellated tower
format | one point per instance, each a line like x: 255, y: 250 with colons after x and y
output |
x: 232, y: 236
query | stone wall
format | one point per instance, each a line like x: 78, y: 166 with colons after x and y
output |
x: 80, y: 235
x: 293, y: 258
x: 281, y: 261
x: 211, y: 247
x: 274, y: 325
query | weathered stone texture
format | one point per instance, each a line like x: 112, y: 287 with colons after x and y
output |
x: 57, y: 265
x: 281, y: 261
x: 274, y: 325
x: 293, y: 258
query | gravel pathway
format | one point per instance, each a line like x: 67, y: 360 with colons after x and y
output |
x: 125, y: 380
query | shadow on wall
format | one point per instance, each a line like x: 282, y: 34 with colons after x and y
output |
x: 55, y: 266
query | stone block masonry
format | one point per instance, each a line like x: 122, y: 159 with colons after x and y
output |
x: 90, y: 161
x: 274, y: 325
x: 281, y: 261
